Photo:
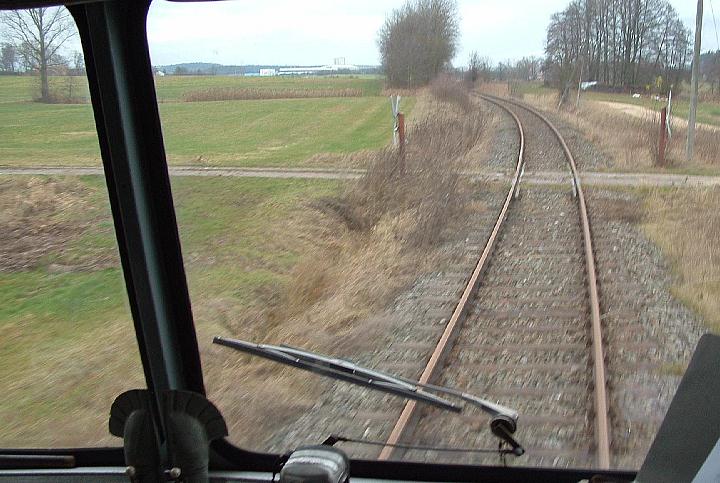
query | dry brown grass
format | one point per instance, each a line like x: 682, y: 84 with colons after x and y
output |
x: 686, y: 225
x: 629, y: 210
x: 494, y: 88
x: 396, y: 91
x: 631, y: 142
x: 35, y: 225
x: 448, y: 89
x: 247, y: 93
x: 386, y: 224
x: 355, y: 159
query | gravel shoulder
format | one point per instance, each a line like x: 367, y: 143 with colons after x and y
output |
x: 650, y: 335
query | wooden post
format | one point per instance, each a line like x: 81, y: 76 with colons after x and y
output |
x: 401, y: 135
x: 663, y: 136
x: 668, y: 117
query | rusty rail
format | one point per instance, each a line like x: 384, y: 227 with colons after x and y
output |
x: 409, y: 415
x: 602, y: 432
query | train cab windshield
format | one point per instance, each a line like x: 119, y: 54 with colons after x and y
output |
x: 451, y: 240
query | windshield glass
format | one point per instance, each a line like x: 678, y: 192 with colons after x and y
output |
x: 67, y: 343
x: 340, y: 170
x: 341, y: 228
x: 514, y: 200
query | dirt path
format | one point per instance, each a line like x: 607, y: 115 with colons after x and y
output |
x: 536, y: 177
x: 643, y: 112
x: 320, y: 173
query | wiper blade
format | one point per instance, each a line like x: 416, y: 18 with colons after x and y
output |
x: 340, y: 369
x: 502, y: 424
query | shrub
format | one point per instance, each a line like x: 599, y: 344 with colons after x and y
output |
x: 447, y: 89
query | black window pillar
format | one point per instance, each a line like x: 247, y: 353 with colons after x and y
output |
x: 122, y: 88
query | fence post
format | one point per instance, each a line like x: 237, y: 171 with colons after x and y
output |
x: 401, y: 135
x: 395, y: 106
x: 663, y: 136
x: 668, y: 117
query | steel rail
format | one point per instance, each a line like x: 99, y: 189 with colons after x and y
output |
x: 409, y: 415
x: 602, y: 432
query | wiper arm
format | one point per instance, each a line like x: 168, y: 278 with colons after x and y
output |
x: 504, y: 419
x: 339, y: 369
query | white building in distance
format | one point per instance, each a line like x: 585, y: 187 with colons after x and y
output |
x: 338, y: 65
x: 320, y: 69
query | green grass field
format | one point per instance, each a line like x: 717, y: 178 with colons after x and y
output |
x: 280, y: 132
x: 62, y: 330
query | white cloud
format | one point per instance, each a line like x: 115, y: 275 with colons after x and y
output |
x: 280, y: 31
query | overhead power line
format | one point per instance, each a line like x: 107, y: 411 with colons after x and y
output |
x: 712, y: 10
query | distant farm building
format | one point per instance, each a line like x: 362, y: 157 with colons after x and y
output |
x: 337, y: 66
x: 317, y: 70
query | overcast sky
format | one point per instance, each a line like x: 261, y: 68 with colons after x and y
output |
x: 316, y: 31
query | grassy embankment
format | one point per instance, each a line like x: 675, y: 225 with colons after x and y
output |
x: 274, y: 132
x: 685, y: 224
x: 708, y: 112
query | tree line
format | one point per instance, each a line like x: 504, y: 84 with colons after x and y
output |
x: 710, y: 71
x: 623, y: 44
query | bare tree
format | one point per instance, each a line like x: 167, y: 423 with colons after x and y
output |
x: 8, y: 58
x: 418, y: 41
x: 625, y: 44
x: 527, y: 68
x: 78, y: 63
x: 39, y: 34
x: 710, y: 70
x: 473, y: 66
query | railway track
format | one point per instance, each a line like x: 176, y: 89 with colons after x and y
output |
x: 526, y: 330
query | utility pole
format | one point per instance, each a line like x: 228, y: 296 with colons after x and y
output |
x: 577, y: 100
x: 689, y: 151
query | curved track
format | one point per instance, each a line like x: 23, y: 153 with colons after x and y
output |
x: 530, y: 320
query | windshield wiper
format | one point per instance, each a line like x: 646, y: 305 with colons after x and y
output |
x: 502, y: 424
x: 338, y: 369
